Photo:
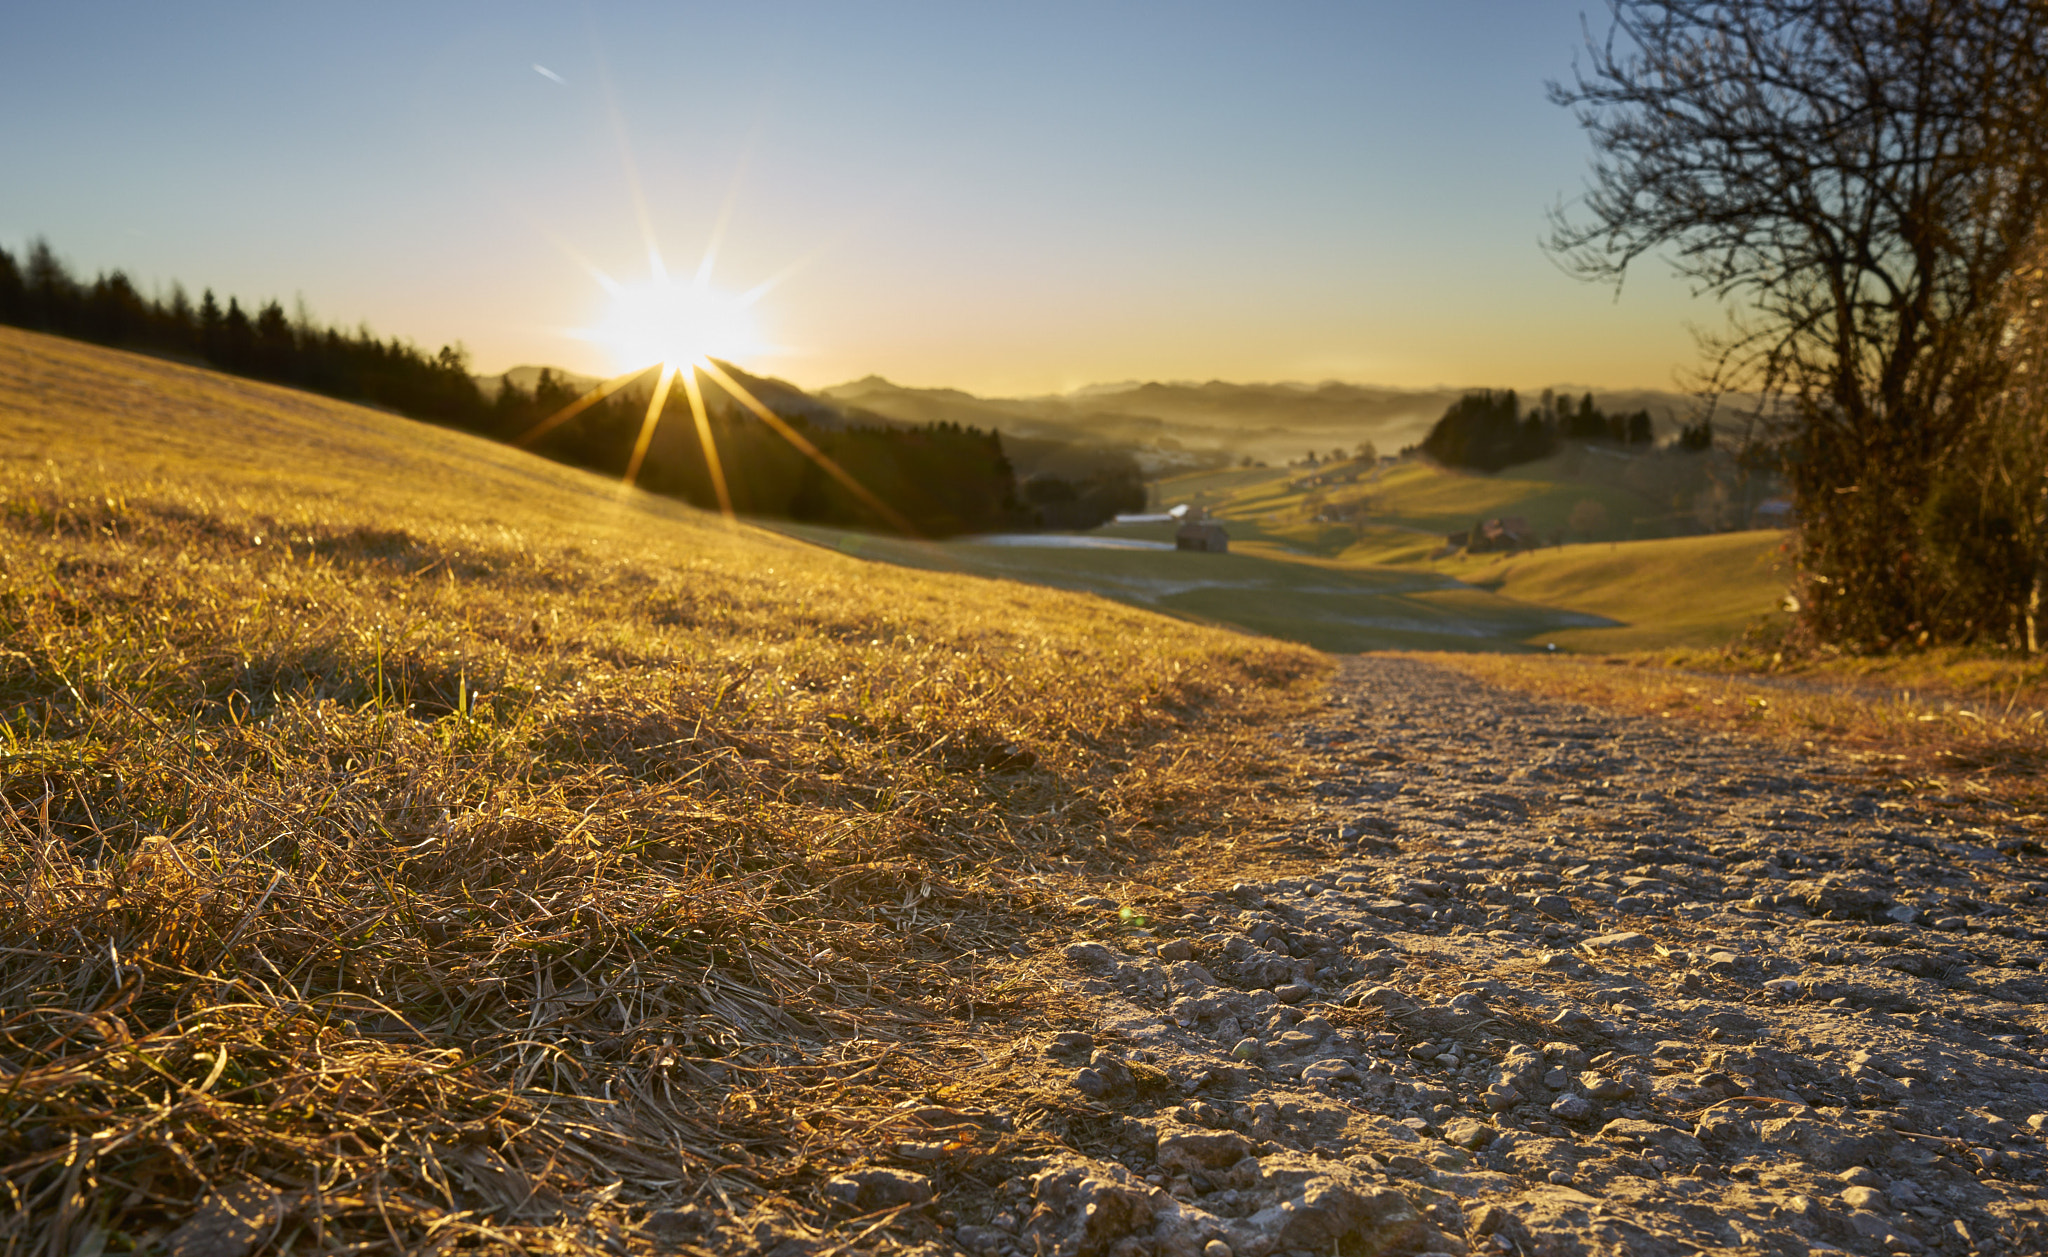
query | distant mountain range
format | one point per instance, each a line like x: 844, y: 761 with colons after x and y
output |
x: 1204, y: 424
x: 1165, y: 426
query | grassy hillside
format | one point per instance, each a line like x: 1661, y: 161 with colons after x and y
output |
x: 408, y: 841
x: 1330, y: 606
x: 1656, y: 592
x: 1641, y: 497
x: 1683, y: 591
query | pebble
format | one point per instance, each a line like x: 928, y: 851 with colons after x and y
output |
x: 1572, y: 1108
x: 1864, y: 1198
x: 1627, y: 940
x: 879, y: 1187
x: 1602, y: 1087
x: 1072, y: 1043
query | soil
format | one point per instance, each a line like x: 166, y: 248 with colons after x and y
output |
x: 1559, y: 982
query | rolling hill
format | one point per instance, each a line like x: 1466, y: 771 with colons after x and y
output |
x: 408, y: 838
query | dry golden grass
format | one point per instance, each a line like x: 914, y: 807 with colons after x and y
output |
x: 1970, y: 727
x: 409, y: 844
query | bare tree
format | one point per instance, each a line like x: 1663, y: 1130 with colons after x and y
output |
x: 1857, y: 180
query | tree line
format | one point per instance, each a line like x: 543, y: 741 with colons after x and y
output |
x: 943, y: 479
x: 1487, y: 430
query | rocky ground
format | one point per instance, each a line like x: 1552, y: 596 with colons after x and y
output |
x: 1567, y: 983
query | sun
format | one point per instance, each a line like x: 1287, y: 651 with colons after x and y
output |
x: 679, y: 333
x: 657, y: 320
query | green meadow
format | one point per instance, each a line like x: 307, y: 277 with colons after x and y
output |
x: 1381, y: 582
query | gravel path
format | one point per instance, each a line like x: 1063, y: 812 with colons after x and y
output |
x: 1569, y: 983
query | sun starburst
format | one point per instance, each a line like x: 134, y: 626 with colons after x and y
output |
x: 682, y: 330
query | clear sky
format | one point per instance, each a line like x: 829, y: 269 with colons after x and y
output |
x: 1006, y: 198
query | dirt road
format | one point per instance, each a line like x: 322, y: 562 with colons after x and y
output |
x: 1567, y: 983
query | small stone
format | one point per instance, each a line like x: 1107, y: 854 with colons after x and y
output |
x: 2038, y: 1122
x: 980, y: 1239
x: 1092, y: 957
x: 1860, y: 1176
x: 1490, y: 1219
x: 1328, y: 1071
x: 879, y: 1187
x: 1572, y: 1017
x: 1072, y: 1043
x: 1217, y: 1248
x: 1183, y: 1150
x: 1467, y: 1133
x: 1864, y: 1198
x: 1247, y: 1049
x: 1092, y: 1083
x: 1572, y: 1108
x: 1602, y: 1087
x: 1558, y: 1079
x: 1293, y: 992
x: 1176, y: 949
x: 1380, y: 997
x: 1561, y: 1178
x: 1783, y: 988
x: 1627, y: 940
x: 1498, y: 1098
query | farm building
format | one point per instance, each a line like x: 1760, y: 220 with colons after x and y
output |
x: 1201, y: 534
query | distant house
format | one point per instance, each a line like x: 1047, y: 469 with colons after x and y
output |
x: 1509, y: 533
x: 1201, y: 534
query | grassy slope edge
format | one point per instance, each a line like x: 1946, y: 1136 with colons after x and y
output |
x: 406, y: 841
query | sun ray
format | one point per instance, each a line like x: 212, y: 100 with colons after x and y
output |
x: 654, y: 405
x: 695, y: 393
x: 577, y: 407
x: 808, y: 450
x: 639, y: 197
x: 725, y: 211
x: 570, y: 251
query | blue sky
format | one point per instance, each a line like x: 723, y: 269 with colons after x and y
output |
x: 1004, y: 198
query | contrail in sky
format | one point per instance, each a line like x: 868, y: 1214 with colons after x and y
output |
x: 546, y: 73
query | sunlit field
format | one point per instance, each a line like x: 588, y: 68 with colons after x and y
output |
x: 1591, y: 595
x: 1330, y: 606
x: 1683, y: 591
x: 1387, y: 585
x: 411, y: 841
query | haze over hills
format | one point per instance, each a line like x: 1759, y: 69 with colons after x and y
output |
x: 1185, y: 425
